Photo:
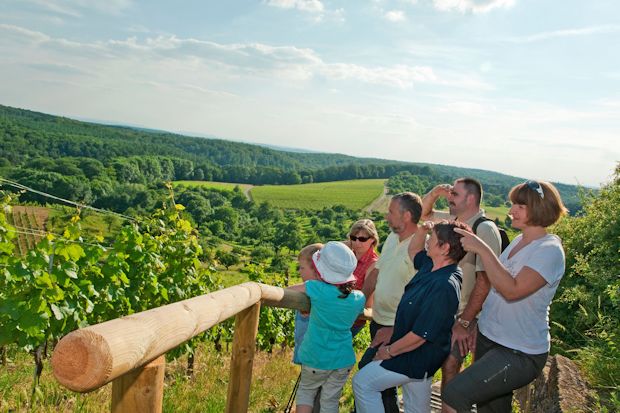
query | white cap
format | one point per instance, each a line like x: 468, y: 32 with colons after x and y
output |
x: 335, y: 263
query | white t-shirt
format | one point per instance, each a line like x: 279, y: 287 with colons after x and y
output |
x: 524, y: 324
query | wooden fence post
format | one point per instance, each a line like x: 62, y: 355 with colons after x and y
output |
x: 140, y: 390
x: 242, y: 358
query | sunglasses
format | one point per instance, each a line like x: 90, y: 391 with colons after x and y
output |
x: 535, y: 186
x: 360, y: 239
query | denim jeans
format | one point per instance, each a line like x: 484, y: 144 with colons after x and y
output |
x: 490, y: 380
x: 372, y: 379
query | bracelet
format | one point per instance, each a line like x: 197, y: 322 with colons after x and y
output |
x: 387, y: 350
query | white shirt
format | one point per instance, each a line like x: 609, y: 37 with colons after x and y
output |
x: 523, y: 324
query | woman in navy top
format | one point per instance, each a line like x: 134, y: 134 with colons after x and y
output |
x: 420, y: 339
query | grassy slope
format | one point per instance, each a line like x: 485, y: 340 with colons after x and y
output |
x: 273, y: 379
x: 354, y: 194
x: 496, y: 212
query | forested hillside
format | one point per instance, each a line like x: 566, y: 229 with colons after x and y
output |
x: 91, y: 162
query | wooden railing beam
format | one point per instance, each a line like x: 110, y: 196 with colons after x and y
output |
x: 90, y: 357
x: 284, y: 298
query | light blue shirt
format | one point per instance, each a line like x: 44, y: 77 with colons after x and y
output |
x: 328, y: 344
x: 301, y: 326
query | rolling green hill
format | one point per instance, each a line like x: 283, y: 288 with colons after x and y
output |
x: 34, y: 143
x: 354, y: 194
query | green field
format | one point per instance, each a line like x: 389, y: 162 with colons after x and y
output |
x: 211, y: 184
x: 355, y: 194
x: 496, y: 212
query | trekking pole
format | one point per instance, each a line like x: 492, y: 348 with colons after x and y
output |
x: 291, y: 399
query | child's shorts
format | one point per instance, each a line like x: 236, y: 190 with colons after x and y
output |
x: 330, y: 382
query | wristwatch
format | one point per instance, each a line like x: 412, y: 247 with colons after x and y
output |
x: 387, y: 350
x: 464, y: 323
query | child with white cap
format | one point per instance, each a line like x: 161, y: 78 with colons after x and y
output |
x: 326, y: 353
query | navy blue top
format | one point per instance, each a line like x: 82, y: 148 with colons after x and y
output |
x: 427, y: 308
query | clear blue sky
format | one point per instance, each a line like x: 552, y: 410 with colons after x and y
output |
x: 525, y: 87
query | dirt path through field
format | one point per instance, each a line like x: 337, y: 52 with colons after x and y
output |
x: 381, y: 203
x: 246, y: 191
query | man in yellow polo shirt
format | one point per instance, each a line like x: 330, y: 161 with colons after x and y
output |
x: 392, y: 272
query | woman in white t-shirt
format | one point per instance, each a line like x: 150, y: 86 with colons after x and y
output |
x: 513, y: 338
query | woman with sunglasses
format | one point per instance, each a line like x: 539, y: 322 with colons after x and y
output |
x: 363, y: 239
x: 513, y: 328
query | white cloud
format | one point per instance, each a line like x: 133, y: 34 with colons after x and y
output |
x: 522, y: 113
x: 21, y: 34
x: 311, y: 6
x: 337, y: 15
x: 474, y: 6
x: 609, y: 103
x: 584, y: 31
x: 228, y: 60
x: 486, y: 67
x: 55, y: 7
x: 400, y: 75
x: 395, y: 16
x: 113, y: 7
x: 75, y: 8
x: 58, y: 68
x: 467, y: 108
x: 138, y: 28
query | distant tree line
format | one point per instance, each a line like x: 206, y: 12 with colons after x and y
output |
x: 421, y: 184
x: 92, y: 162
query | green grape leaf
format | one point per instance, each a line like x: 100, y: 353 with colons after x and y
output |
x: 57, y: 313
x: 71, y: 273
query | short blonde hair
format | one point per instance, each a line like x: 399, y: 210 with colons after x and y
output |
x: 543, y: 210
x: 368, y: 226
x: 308, y: 251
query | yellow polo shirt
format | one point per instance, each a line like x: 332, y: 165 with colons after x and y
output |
x: 395, y: 271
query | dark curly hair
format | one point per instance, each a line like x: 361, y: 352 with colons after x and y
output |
x: 445, y: 234
x: 346, y: 289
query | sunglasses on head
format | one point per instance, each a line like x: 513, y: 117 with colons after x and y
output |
x: 360, y: 239
x: 535, y: 186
